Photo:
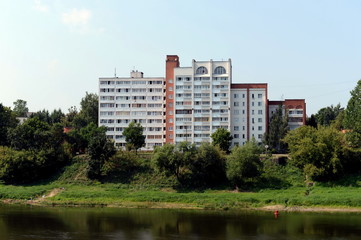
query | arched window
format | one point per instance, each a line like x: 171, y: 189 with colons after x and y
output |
x: 219, y: 70
x: 202, y: 70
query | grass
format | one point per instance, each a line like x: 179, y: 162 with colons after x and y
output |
x: 149, y: 190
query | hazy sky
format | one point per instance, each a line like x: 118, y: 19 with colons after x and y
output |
x: 52, y: 52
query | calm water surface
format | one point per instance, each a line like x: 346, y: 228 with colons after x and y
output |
x: 23, y: 223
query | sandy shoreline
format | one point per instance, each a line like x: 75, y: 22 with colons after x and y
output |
x: 165, y: 205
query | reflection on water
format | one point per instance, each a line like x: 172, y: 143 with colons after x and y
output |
x: 109, y: 223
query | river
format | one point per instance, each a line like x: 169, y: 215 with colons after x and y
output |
x: 27, y: 222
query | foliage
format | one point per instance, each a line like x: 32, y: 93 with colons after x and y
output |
x: 352, y: 117
x: 276, y: 176
x: 89, y: 107
x: 208, y: 167
x: 222, y: 137
x: 100, y: 149
x: 20, y: 108
x: 122, y: 165
x: 244, y: 164
x: 318, y: 152
x: 50, y: 118
x: 174, y: 160
x: 325, y: 116
x: 33, y: 134
x: 311, y: 121
x: 134, y: 136
x: 7, y: 121
x: 26, y: 166
x: 278, y: 128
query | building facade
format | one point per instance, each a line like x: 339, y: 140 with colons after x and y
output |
x: 249, y: 112
x: 294, y: 108
x: 189, y: 104
x: 139, y: 99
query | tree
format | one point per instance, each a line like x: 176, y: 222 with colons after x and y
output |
x: 89, y: 107
x: 325, y: 116
x: 208, y: 167
x: 311, y: 121
x: 33, y: 134
x: 318, y: 152
x: 222, y: 137
x: 7, y: 121
x: 134, y: 136
x: 352, y: 117
x: 43, y: 116
x: 20, y: 108
x: 278, y: 128
x: 56, y: 116
x: 100, y: 149
x: 244, y: 164
x: 174, y: 160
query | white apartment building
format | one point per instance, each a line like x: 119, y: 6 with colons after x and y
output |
x: 202, y: 100
x: 189, y: 104
x: 249, y: 112
x: 139, y: 99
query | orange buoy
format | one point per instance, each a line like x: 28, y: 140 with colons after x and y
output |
x: 276, y: 214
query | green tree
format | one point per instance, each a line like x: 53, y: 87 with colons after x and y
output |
x: 352, y: 117
x: 208, y: 166
x: 244, y: 164
x: 278, y: 128
x: 89, y: 107
x: 325, y: 116
x: 33, y: 134
x: 56, y: 116
x: 222, y: 137
x: 20, y: 108
x: 134, y: 136
x: 100, y: 149
x: 7, y: 121
x: 43, y: 116
x: 174, y: 160
x: 318, y: 152
x: 311, y: 121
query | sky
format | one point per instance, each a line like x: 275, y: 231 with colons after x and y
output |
x: 53, y: 51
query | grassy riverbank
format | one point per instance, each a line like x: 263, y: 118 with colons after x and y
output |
x: 122, y: 195
x: 149, y: 190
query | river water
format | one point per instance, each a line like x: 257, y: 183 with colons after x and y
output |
x: 26, y: 222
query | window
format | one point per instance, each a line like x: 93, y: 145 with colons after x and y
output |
x: 259, y: 103
x: 259, y: 120
x: 259, y: 128
x: 170, y: 96
x: 260, y: 112
x: 243, y: 95
x: 170, y: 88
x: 252, y: 96
x: 202, y: 70
x: 235, y: 112
x: 236, y: 136
x: 236, y: 128
x: 236, y: 104
x: 219, y: 70
x: 236, y: 95
x: 260, y: 95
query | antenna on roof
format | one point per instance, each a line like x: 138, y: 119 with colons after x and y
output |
x: 115, y: 72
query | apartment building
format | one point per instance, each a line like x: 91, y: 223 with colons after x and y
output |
x: 198, y: 100
x: 139, y: 99
x: 294, y: 108
x: 189, y: 104
x: 249, y: 112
